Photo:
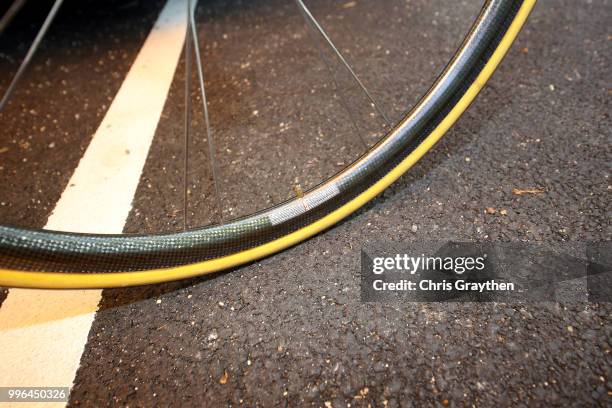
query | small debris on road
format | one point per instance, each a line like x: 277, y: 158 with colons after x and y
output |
x: 521, y: 191
x: 362, y: 393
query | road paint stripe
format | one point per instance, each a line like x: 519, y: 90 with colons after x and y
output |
x: 43, y: 333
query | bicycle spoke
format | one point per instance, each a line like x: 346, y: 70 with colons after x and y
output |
x: 31, y: 51
x: 314, y: 23
x: 209, y: 135
x: 332, y: 73
x: 10, y: 14
x: 186, y: 138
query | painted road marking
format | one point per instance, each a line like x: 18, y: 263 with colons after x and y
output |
x: 43, y: 333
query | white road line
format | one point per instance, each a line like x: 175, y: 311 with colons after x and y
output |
x: 43, y: 333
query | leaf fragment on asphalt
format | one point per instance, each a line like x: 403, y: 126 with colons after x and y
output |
x: 521, y: 191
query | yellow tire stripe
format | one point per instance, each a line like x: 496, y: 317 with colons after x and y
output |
x: 49, y: 280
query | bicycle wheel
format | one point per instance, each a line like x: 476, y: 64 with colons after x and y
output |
x: 50, y: 259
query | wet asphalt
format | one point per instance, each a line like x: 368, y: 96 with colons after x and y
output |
x: 291, y: 330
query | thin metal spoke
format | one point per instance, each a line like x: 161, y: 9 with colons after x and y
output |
x: 211, y: 143
x: 332, y: 73
x: 315, y: 23
x: 31, y: 51
x: 10, y: 13
x: 186, y: 138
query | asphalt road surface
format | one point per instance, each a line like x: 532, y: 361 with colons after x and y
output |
x: 291, y: 330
